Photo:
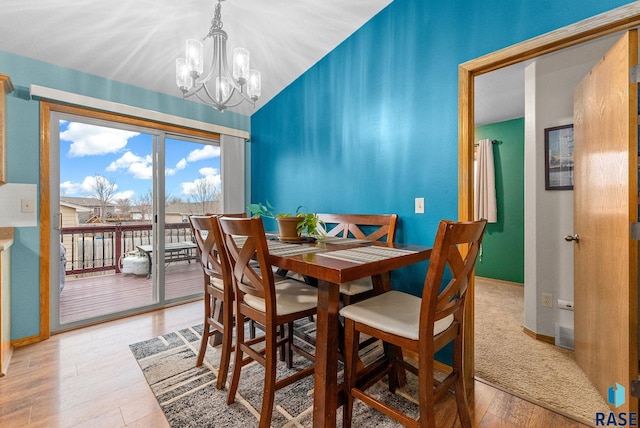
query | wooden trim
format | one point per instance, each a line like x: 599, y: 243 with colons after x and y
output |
x: 540, y: 337
x: 46, y: 107
x: 500, y: 281
x: 615, y: 20
x: 7, y: 87
x: 45, y: 222
x: 69, y: 98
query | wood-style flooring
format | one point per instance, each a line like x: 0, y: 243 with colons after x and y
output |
x: 89, y: 378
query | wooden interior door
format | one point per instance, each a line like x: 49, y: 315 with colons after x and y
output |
x: 605, y: 205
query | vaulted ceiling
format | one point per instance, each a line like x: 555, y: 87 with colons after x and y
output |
x: 137, y: 41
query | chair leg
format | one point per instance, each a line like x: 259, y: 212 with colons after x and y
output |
x: 289, y: 346
x: 426, y: 394
x: 206, y: 333
x: 268, y: 394
x: 459, y: 388
x: 351, y: 339
x: 225, y: 355
x: 237, y: 360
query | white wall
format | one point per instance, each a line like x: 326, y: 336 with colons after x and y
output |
x: 549, y: 83
x: 12, y: 196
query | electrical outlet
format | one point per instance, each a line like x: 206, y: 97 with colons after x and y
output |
x: 419, y: 205
x: 547, y: 300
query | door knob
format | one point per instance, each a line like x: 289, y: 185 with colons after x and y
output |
x: 570, y: 238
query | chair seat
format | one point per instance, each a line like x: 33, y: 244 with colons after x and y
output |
x: 393, y: 312
x: 291, y: 296
x: 358, y: 286
x: 217, y: 283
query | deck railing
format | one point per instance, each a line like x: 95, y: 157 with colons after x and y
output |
x: 101, y: 247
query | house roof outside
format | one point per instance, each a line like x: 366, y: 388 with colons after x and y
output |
x: 85, y: 202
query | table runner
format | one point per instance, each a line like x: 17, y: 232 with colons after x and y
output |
x: 367, y: 254
x: 336, y: 240
x: 278, y: 248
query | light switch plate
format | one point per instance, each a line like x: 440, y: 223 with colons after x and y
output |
x: 26, y: 205
x: 419, y: 205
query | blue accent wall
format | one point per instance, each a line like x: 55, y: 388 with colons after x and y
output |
x: 374, y: 124
x: 23, y: 156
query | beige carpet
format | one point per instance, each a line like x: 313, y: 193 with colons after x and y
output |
x: 508, y: 358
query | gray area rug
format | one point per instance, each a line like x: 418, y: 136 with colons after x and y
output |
x: 188, y: 396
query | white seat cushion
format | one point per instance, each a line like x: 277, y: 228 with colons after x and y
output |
x: 217, y: 283
x: 291, y: 296
x: 358, y: 286
x: 394, y: 312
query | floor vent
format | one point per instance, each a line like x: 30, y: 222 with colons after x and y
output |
x: 564, y: 336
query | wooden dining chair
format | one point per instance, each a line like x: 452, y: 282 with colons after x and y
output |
x: 421, y: 325
x: 372, y: 227
x: 258, y: 297
x: 218, y: 290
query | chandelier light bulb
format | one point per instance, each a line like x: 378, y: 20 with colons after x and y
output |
x: 241, y: 59
x: 254, y: 85
x: 183, y: 76
x: 194, y: 55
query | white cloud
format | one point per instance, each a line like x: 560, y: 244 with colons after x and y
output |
x: 208, y: 171
x: 213, y: 179
x: 89, y: 184
x: 182, y: 163
x: 206, y: 152
x: 69, y: 188
x: 138, y: 166
x: 127, y: 194
x: 89, y: 140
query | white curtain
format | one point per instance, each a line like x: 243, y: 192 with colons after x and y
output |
x: 485, y: 183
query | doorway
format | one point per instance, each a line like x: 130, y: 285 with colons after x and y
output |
x: 602, y: 25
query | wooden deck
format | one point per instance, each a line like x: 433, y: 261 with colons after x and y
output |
x: 94, y: 296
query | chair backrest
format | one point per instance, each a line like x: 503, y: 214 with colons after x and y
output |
x: 211, y: 251
x: 437, y: 301
x: 373, y: 227
x: 246, y: 243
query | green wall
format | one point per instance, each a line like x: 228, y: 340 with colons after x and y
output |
x: 502, y: 254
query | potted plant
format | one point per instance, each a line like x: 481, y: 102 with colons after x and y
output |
x: 291, y: 226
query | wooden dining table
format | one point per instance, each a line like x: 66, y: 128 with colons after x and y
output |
x: 333, y: 261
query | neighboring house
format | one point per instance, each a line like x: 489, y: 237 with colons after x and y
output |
x: 180, y: 212
x: 95, y: 207
x: 71, y: 215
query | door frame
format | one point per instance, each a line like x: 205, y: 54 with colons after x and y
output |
x: 613, y: 21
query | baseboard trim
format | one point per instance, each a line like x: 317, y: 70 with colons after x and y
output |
x: 540, y: 337
x: 499, y: 281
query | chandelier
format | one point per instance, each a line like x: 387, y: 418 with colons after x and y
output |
x: 224, y: 84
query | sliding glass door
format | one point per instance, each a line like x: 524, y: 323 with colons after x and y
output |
x: 120, y: 199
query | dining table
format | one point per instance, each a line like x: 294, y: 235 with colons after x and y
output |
x: 332, y: 261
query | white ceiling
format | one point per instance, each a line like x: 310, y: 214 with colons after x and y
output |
x: 137, y: 41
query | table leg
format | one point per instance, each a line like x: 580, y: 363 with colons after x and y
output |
x: 325, y: 399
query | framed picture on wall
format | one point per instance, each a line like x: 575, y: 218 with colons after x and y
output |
x: 558, y: 158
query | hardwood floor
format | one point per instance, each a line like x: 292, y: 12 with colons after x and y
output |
x: 89, y: 378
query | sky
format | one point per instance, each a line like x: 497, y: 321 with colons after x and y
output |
x: 124, y: 158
